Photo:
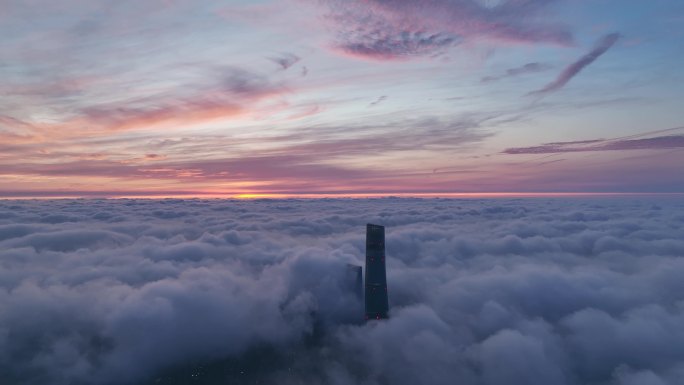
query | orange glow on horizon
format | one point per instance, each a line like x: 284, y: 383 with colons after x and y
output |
x: 248, y: 196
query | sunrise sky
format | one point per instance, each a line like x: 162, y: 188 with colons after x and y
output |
x: 307, y: 97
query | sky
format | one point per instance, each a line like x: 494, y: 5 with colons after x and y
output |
x: 563, y: 291
x: 314, y: 97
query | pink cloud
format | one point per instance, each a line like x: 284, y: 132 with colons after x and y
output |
x: 181, y: 112
x: 236, y: 92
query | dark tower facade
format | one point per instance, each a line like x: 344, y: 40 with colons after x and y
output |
x: 377, y: 305
x: 355, y: 280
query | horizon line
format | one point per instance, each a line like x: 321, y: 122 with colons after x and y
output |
x: 314, y: 195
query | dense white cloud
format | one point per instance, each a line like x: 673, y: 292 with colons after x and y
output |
x: 553, y: 291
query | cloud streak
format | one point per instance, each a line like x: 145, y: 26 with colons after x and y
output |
x: 234, y: 92
x: 668, y: 142
x: 377, y: 101
x: 522, y: 70
x: 312, y: 158
x: 601, y: 47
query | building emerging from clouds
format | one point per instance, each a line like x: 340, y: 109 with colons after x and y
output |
x: 355, y: 280
x: 377, y: 305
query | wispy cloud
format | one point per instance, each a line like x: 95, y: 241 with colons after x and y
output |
x: 377, y: 101
x: 575, y: 68
x: 181, y: 112
x: 314, y: 158
x: 511, y: 72
x: 389, y: 46
x: 622, y: 144
x: 385, y: 30
x: 232, y: 92
x: 286, y: 60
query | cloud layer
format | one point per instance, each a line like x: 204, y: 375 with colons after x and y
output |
x: 558, y: 291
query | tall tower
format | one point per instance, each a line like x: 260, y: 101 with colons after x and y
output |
x: 377, y: 305
x: 355, y: 280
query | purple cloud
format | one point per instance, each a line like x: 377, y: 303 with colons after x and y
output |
x: 384, y: 30
x: 655, y: 143
x: 575, y: 68
x: 396, y: 46
x: 286, y: 60
x: 511, y: 72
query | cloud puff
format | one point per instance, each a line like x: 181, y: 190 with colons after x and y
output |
x: 562, y: 291
x: 285, y: 60
x: 575, y: 68
x: 385, y: 30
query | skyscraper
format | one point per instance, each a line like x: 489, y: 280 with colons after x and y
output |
x: 355, y: 280
x: 377, y: 305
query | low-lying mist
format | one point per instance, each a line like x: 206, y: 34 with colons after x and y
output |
x: 501, y: 291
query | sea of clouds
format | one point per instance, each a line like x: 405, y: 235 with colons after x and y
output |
x: 500, y: 291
